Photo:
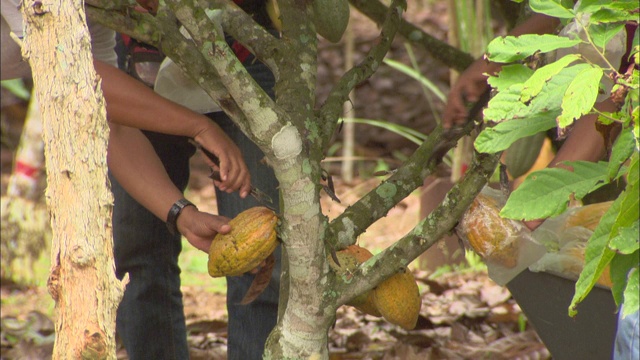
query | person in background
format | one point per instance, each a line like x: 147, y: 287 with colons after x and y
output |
x: 130, y: 156
x: 140, y: 174
x: 583, y: 143
x: 149, y: 253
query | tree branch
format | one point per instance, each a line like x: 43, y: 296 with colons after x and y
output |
x: 396, y: 257
x: 263, y: 118
x: 254, y: 37
x: 447, y: 54
x: 331, y: 110
x: 162, y: 32
x: 344, y: 230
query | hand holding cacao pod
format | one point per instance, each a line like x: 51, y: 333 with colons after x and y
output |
x: 251, y: 240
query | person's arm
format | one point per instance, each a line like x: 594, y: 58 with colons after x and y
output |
x: 473, y: 81
x: 134, y: 163
x: 583, y: 143
x: 133, y: 104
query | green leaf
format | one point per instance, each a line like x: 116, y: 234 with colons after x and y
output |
x: 597, y: 256
x: 580, y: 96
x: 410, y: 134
x: 621, y: 151
x: 17, y: 88
x: 545, y: 193
x: 416, y: 76
x: 613, y: 15
x: 553, y: 8
x: 619, y: 270
x: 506, y: 104
x: 548, y: 98
x: 629, y: 207
x: 510, y: 75
x: 636, y: 130
x: 534, y: 84
x: 501, y: 136
x: 631, y: 294
x: 632, y: 177
x: 626, y: 242
x: 601, y: 34
x: 509, y: 49
x: 591, y: 6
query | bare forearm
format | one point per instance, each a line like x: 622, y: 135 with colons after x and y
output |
x: 584, y: 142
x: 136, y: 166
x: 152, y: 111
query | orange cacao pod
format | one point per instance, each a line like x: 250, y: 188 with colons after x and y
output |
x: 349, y: 259
x: 398, y: 300
x: 588, y: 216
x: 490, y: 236
x: 251, y: 240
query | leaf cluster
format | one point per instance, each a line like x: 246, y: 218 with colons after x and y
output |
x: 556, y: 95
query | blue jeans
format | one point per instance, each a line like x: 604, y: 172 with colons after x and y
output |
x: 150, y: 319
x: 627, y: 345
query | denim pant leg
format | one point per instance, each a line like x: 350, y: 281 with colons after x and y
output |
x: 627, y: 345
x: 249, y: 325
x: 150, y: 319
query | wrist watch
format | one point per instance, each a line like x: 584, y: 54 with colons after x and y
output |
x: 174, y: 212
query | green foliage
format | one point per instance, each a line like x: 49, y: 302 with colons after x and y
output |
x: 547, y: 192
x: 415, y: 74
x: 17, y: 88
x: 509, y: 48
x: 557, y: 94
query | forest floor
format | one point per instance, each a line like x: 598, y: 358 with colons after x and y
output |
x: 464, y: 314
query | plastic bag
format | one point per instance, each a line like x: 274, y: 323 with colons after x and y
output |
x: 508, y: 247
x: 505, y: 245
x: 565, y: 239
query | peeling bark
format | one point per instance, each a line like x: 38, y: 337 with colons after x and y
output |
x: 75, y: 133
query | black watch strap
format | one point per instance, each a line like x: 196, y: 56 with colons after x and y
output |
x: 174, y: 212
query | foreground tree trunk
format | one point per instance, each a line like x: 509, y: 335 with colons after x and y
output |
x: 82, y: 280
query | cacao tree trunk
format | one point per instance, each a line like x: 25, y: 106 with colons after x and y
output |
x: 82, y: 280
x: 294, y: 133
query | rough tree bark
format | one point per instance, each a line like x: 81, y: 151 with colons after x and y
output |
x: 82, y: 280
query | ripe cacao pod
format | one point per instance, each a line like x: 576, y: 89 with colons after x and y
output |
x: 490, y: 236
x: 398, y: 300
x: 331, y: 18
x: 349, y: 259
x: 588, y: 216
x: 522, y: 154
x: 251, y: 240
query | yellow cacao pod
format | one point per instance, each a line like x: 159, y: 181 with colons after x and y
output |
x: 522, y: 154
x: 331, y: 18
x: 251, y: 240
x: 588, y: 216
x: 349, y: 259
x: 490, y: 236
x: 398, y: 300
